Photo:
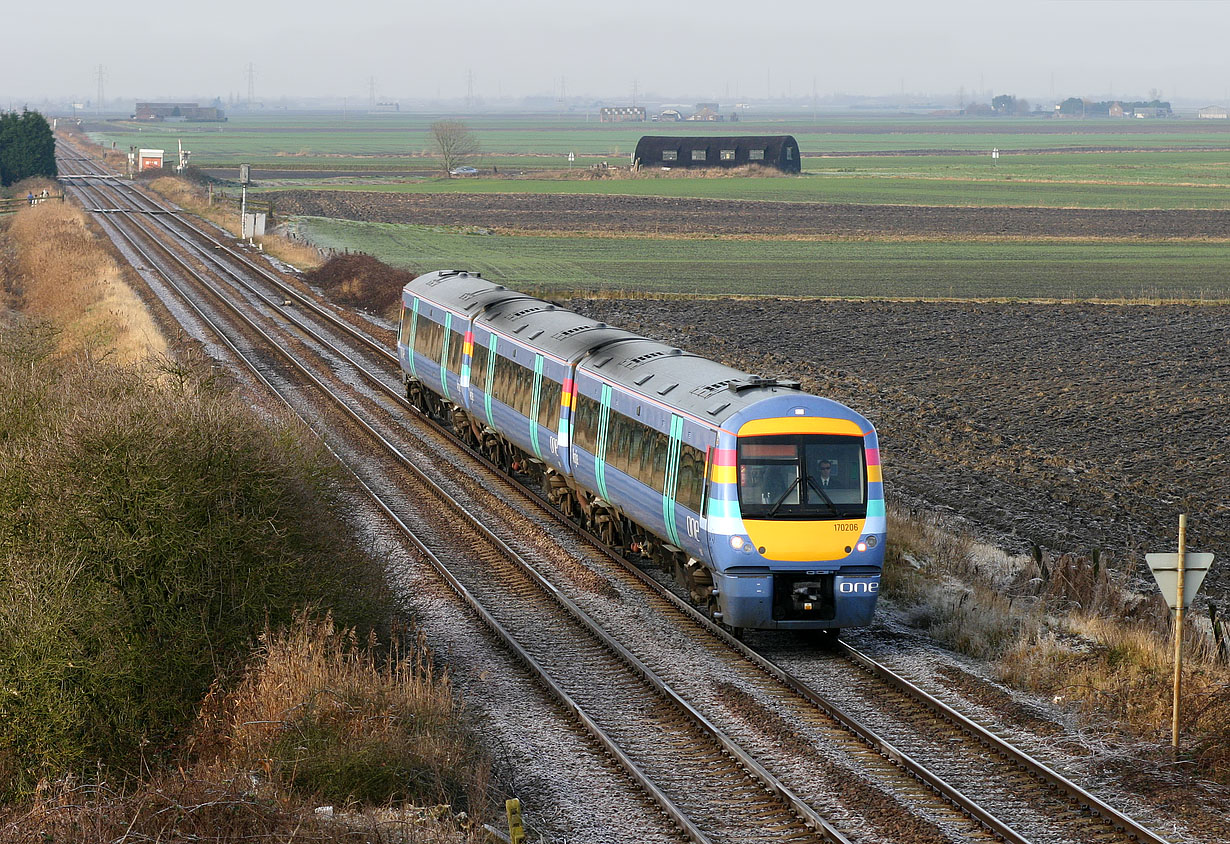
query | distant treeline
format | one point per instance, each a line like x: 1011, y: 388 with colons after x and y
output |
x: 27, y: 147
x: 1077, y: 107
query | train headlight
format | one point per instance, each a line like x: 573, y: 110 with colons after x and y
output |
x: 862, y: 546
x: 737, y: 542
x: 872, y: 541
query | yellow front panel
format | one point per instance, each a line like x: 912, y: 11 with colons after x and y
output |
x: 804, y: 541
x: 799, y: 425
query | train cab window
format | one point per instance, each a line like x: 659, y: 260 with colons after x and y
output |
x: 670, y: 155
x: 698, y: 155
x: 755, y: 155
x: 727, y: 155
x: 802, y: 476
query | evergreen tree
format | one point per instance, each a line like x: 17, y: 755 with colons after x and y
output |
x: 27, y: 147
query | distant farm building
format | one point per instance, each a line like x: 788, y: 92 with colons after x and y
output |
x: 669, y: 114
x: 779, y: 151
x: 706, y: 111
x: 622, y: 114
x: 1212, y: 113
x: 177, y: 111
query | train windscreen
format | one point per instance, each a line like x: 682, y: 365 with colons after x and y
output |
x: 802, y: 476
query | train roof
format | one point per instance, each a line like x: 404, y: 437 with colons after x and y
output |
x: 701, y: 387
x: 551, y: 329
x: 704, y: 388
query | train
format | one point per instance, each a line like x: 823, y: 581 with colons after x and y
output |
x: 766, y: 502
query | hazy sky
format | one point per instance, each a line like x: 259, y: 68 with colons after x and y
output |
x: 720, y: 49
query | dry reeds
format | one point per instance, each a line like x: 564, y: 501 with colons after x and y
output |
x: 62, y: 272
x: 342, y: 720
x: 1069, y: 626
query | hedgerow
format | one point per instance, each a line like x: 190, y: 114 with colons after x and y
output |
x: 151, y: 527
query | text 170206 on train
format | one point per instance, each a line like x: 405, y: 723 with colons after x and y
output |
x: 767, y: 502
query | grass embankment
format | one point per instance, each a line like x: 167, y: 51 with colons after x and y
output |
x: 194, y: 198
x: 154, y: 529
x: 60, y: 274
x: 1072, y: 629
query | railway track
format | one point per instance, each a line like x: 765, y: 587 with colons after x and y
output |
x: 693, y: 715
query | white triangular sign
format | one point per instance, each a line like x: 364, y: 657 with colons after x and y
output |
x: 1165, y: 568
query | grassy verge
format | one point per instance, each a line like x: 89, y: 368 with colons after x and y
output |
x: 1072, y: 629
x: 154, y: 526
x: 194, y: 199
x: 710, y: 266
x: 61, y: 272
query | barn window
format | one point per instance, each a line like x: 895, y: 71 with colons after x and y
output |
x: 790, y: 153
x: 755, y: 155
x: 670, y: 155
x: 698, y: 155
x: 727, y: 155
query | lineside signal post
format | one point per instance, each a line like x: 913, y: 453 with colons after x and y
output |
x: 516, y: 830
x: 1179, y: 576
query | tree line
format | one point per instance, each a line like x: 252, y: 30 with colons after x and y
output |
x: 27, y: 147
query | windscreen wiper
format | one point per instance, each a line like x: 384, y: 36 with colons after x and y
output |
x: 778, y: 502
x: 823, y: 495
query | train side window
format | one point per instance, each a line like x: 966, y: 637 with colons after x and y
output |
x: 647, y: 448
x: 407, y: 320
x: 755, y: 155
x: 548, y: 403
x: 661, y: 446
x: 456, y: 349
x: 499, y: 389
x: 525, y: 390
x: 478, y: 366
x: 636, y: 444
x: 687, y: 471
x: 585, y: 425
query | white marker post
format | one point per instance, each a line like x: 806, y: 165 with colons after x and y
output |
x: 1179, y: 575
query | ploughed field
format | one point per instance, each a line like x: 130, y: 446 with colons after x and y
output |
x: 1072, y: 426
x: 641, y: 215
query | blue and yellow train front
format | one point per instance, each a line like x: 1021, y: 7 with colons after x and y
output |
x: 795, y: 516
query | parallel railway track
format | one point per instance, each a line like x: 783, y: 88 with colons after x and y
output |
x: 705, y: 716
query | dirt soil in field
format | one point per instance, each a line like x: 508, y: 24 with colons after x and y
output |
x: 650, y: 215
x: 1072, y: 426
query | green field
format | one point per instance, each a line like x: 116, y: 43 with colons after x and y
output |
x: 1172, y: 164
x: 712, y: 266
x: 863, y: 189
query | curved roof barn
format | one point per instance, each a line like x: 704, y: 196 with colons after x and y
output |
x: 779, y: 151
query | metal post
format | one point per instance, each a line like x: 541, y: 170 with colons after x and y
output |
x: 243, y: 208
x: 1178, y: 636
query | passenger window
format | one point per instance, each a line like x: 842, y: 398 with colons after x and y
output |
x: 478, y: 366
